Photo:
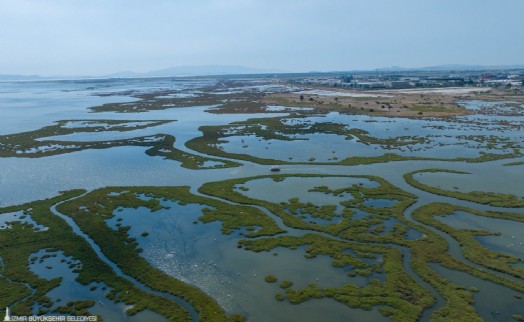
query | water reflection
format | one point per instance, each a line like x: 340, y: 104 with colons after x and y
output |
x: 54, y: 264
x: 492, y: 302
x: 510, y: 241
x: 199, y: 254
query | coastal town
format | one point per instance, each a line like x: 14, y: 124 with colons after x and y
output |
x: 402, y: 79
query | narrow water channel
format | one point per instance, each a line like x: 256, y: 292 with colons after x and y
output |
x: 185, y: 304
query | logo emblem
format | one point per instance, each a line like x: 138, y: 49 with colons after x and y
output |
x: 7, y: 315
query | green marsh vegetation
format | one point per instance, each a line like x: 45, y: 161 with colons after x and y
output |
x: 352, y: 244
x: 361, y: 234
x: 166, y: 149
x: 434, y: 249
x: 514, y: 163
x: 471, y: 248
x: 291, y: 212
x: 33, y: 144
x: 398, y: 296
x: 21, y: 241
x: 212, y: 96
x: 430, y: 248
x: 482, y: 197
x: 91, y: 212
x: 278, y: 128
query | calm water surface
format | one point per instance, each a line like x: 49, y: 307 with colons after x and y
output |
x: 199, y: 253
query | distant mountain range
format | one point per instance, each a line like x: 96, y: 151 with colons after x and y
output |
x: 209, y: 70
x: 196, y: 70
x: 6, y: 77
x: 180, y: 71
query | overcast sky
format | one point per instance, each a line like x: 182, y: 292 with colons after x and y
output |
x: 94, y: 37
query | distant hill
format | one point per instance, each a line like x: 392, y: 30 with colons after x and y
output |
x: 19, y: 77
x: 189, y: 70
x: 214, y: 70
x: 196, y: 70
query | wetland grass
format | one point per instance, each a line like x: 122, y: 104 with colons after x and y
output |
x: 481, y: 197
x: 20, y: 241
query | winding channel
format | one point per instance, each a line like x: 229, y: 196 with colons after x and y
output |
x: 406, y: 254
x: 185, y: 304
x: 454, y: 249
x: 453, y: 246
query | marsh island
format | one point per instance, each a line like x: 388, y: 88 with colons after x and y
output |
x: 263, y: 198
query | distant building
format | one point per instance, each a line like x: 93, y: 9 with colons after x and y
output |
x: 370, y: 85
x: 399, y: 84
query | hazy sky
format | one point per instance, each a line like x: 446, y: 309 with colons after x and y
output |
x: 70, y: 37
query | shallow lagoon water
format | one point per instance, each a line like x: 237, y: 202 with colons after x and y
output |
x: 31, y: 105
x: 510, y: 241
x: 380, y: 203
x: 199, y: 254
x: 34, y: 104
x: 461, y: 139
x: 506, y: 180
x: 32, y: 179
x: 317, y: 148
x: 8, y: 218
x: 51, y: 265
x: 387, y: 224
x: 495, y: 108
x: 493, y: 302
x: 413, y: 234
x: 298, y: 187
